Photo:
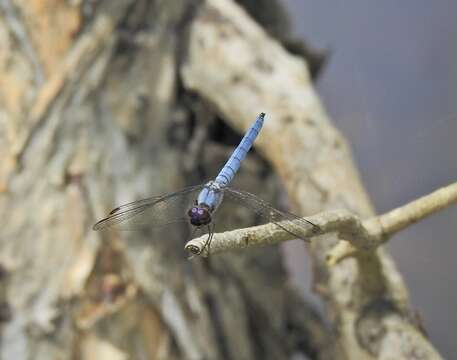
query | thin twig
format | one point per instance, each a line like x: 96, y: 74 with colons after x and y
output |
x: 404, y: 216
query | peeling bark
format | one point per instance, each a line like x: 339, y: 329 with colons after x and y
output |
x: 93, y: 115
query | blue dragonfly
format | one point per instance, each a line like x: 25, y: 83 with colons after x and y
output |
x: 197, y: 205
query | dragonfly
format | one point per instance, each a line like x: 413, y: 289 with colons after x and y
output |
x: 197, y: 205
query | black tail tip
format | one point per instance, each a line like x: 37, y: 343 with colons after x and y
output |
x: 262, y: 114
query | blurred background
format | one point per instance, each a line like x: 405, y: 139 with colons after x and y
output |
x: 390, y: 86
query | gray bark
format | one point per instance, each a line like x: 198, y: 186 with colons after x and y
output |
x: 93, y: 115
x: 366, y: 298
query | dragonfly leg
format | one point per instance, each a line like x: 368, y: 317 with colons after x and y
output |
x: 210, y: 237
x: 316, y: 228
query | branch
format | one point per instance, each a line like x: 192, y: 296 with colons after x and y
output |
x: 361, y: 234
x: 238, y: 68
x: 401, y: 217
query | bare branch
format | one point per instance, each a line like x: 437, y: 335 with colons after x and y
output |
x: 362, y: 235
x: 240, y: 70
x: 401, y: 217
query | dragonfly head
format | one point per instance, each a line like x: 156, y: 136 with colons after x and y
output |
x: 199, y: 215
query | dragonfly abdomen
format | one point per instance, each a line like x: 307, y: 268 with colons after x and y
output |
x: 232, y: 165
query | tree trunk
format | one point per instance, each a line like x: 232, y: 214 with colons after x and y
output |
x: 98, y: 110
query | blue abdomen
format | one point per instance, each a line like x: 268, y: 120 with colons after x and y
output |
x: 232, y: 165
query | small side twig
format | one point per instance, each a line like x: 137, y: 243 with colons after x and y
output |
x: 359, y: 234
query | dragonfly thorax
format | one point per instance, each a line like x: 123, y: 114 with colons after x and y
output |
x: 199, y: 215
x: 210, y: 196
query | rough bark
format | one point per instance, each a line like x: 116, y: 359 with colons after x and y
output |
x: 93, y: 115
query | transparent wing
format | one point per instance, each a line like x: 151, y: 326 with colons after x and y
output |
x: 287, y: 221
x: 153, y: 212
